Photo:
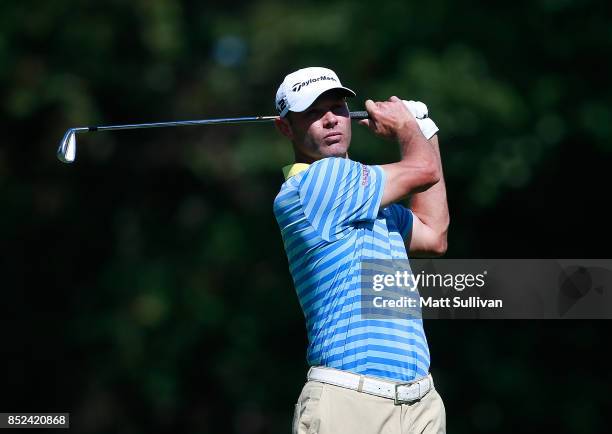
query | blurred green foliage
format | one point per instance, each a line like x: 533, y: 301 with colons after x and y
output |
x: 146, y: 287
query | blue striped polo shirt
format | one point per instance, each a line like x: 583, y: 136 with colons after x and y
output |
x: 330, y: 220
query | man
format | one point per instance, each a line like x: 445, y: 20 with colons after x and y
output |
x: 366, y: 375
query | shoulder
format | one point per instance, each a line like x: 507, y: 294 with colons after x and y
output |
x: 287, y: 192
x: 333, y: 162
x: 335, y: 165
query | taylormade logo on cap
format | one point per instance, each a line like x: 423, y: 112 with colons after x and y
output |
x: 298, y: 86
x: 302, y: 87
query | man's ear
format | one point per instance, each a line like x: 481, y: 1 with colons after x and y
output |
x: 283, y: 127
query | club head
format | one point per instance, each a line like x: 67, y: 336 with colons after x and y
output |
x: 66, y: 152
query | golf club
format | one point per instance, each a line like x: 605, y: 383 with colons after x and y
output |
x: 66, y: 152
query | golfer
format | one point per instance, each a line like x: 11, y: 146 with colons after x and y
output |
x: 366, y: 375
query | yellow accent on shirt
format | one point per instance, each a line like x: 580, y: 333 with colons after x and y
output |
x: 293, y: 169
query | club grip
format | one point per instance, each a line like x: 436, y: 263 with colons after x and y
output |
x: 359, y: 115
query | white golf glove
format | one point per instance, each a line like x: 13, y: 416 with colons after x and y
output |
x: 419, y: 111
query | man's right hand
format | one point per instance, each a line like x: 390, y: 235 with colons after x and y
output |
x: 391, y: 119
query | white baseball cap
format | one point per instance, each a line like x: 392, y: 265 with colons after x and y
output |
x: 301, y: 88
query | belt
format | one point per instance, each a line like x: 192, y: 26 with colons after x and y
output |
x: 401, y: 393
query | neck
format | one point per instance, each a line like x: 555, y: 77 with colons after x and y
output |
x: 300, y: 157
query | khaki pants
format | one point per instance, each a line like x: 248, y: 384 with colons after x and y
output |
x: 326, y: 409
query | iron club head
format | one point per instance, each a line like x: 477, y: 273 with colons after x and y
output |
x: 66, y: 152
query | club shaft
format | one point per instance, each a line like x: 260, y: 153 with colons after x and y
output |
x: 242, y: 120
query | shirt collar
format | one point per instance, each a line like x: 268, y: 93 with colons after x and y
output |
x: 293, y: 169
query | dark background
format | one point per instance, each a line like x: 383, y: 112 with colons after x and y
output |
x: 145, y: 288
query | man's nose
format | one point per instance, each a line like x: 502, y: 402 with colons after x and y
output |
x: 330, y: 120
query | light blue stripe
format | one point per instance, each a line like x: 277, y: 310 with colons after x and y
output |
x: 343, y: 272
x: 300, y: 237
x: 382, y: 361
x: 320, y: 213
x: 321, y: 175
x: 407, y: 350
x: 346, y: 336
x: 381, y: 351
x: 323, y: 297
x: 332, y: 254
x: 336, y: 269
x: 340, y: 211
x: 398, y: 326
x: 415, y: 327
x: 372, y: 335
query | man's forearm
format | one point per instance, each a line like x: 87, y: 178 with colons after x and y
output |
x: 415, y: 148
x: 431, y: 205
x: 417, y: 170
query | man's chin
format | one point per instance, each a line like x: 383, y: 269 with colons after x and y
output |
x: 335, y: 150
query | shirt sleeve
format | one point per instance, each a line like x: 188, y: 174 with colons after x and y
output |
x: 336, y: 193
x: 403, y: 219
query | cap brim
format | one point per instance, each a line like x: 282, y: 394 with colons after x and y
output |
x: 311, y: 98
